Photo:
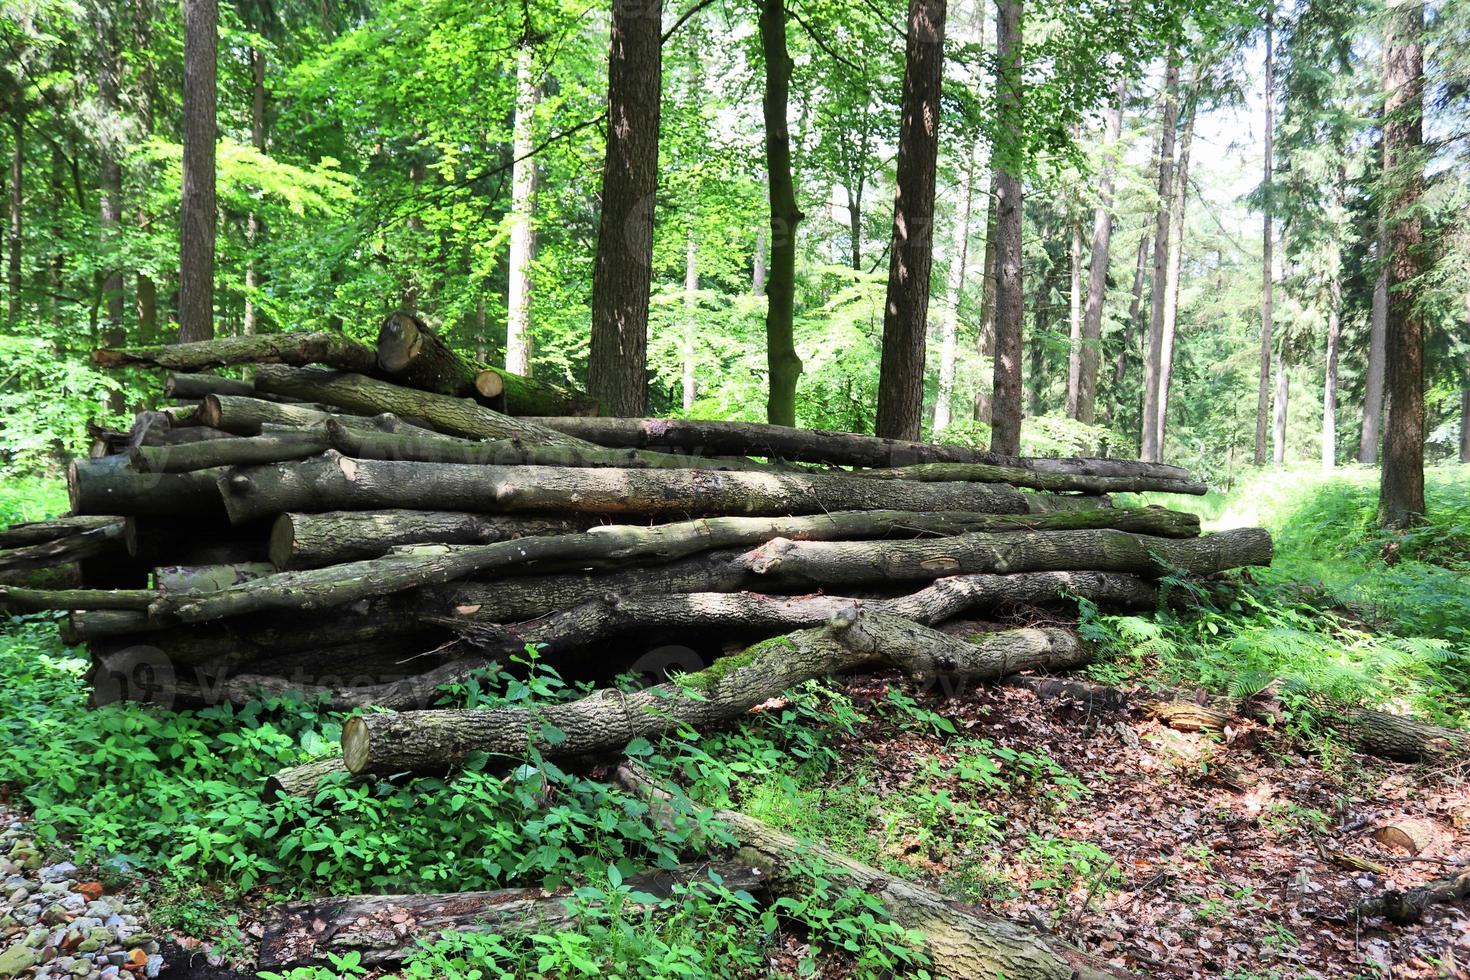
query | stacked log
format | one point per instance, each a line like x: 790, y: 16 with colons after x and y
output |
x: 365, y: 524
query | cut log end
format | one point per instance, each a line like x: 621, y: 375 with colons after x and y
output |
x: 399, y: 340
x: 356, y: 745
x: 489, y: 384
x: 282, y: 544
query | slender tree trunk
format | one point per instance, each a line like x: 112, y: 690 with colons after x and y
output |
x: 1005, y: 423
x: 1085, y: 407
x: 1334, y: 339
x: 413, y: 258
x: 1040, y: 312
x: 855, y: 227
x: 252, y: 221
x: 1149, y: 448
x: 1180, y: 206
x: 691, y: 325
x: 758, y: 270
x: 17, y: 229
x: 1279, y: 407
x: 110, y: 198
x: 617, y: 373
x: 523, y: 216
x: 1401, y: 493
x: 197, y: 212
x: 782, y: 361
x: 1377, y: 343
x: 1132, y: 325
x: 906, y: 311
x: 1074, y: 321
x: 954, y: 286
x: 1267, y: 212
x: 57, y: 265
x: 1465, y: 403
x: 985, y: 341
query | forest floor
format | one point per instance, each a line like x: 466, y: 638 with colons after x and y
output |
x: 1173, y: 854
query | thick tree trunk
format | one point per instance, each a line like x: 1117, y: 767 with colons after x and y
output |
x: 335, y: 482
x: 197, y: 211
x: 1376, y: 369
x: 1009, y: 160
x: 433, y: 741
x: 316, y: 540
x: 1149, y: 448
x: 522, y: 214
x: 40, y: 532
x: 718, y: 438
x: 1279, y: 410
x: 960, y: 941
x: 342, y: 584
x: 358, y: 393
x: 954, y: 286
x: 782, y: 362
x: 906, y: 309
x: 1097, y: 272
x: 383, y: 929
x: 245, y: 416
x: 17, y: 599
x: 109, y: 486
x: 1263, y: 390
x: 330, y: 349
x: 1401, y: 487
x: 830, y: 563
x: 1180, y: 208
x: 617, y: 368
x: 514, y: 394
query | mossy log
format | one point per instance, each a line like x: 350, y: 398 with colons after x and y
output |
x: 412, y: 354
x: 829, y: 563
x: 271, y: 447
x: 755, y: 614
x: 1020, y: 476
x: 383, y: 929
x: 436, y: 740
x: 1400, y: 737
x: 515, y: 394
x: 19, y: 599
x: 197, y: 387
x: 718, y: 438
x: 102, y: 538
x: 961, y: 941
x: 395, y: 572
x: 111, y: 486
x: 39, y: 532
x: 300, y: 541
x: 330, y: 349
x: 336, y: 482
x: 357, y: 393
x: 208, y: 578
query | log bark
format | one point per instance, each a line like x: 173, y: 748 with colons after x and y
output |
x: 1408, y: 907
x: 109, y: 486
x: 754, y: 614
x: 436, y: 740
x: 18, y: 599
x: 208, y: 578
x: 270, y: 447
x: 335, y: 482
x: 515, y: 394
x: 39, y: 532
x: 300, y: 781
x: 413, y: 355
x: 961, y: 941
x: 1033, y: 479
x: 716, y: 438
x: 330, y: 349
x: 102, y: 539
x: 196, y: 387
x: 357, y: 393
x: 301, y: 541
x: 829, y: 563
x: 247, y: 416
x: 383, y: 929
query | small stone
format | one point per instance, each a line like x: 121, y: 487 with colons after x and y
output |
x: 53, y: 888
x: 113, y: 921
x: 55, y: 915
x: 73, y: 901
x: 49, y: 953
x: 33, y: 862
x: 153, y: 967
x: 16, y: 960
x: 36, y: 938
x: 137, y: 959
x: 108, y: 973
x: 58, y: 872
x: 117, y: 957
x: 81, y: 968
x: 91, y: 889
x: 8, y: 867
x: 18, y: 896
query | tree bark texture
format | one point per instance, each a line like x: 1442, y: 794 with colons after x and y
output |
x: 268, y: 447
x: 1179, y: 208
x: 330, y: 349
x: 40, y: 532
x: 782, y: 362
x: 1097, y: 270
x: 109, y: 486
x: 197, y: 211
x: 954, y: 286
x: 1009, y: 158
x: 522, y: 214
x: 1149, y: 448
x: 1280, y: 402
x: 103, y: 539
x: 911, y: 254
x: 300, y: 541
x: 413, y: 355
x: 985, y: 340
x: 515, y: 394
x: 617, y: 369
x: 1376, y: 369
x: 1329, y: 372
x: 196, y: 387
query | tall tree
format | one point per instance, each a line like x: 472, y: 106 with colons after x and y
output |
x: 1401, y: 486
x: 110, y: 198
x: 1179, y: 208
x: 1074, y: 319
x: 906, y: 311
x: 1082, y: 406
x: 1279, y: 405
x: 954, y: 286
x: 1263, y: 393
x: 1334, y: 333
x: 1150, y: 450
x: 252, y: 220
x: 617, y: 366
x: 1009, y: 157
x: 17, y: 231
x: 522, y: 211
x: 197, y: 211
x: 691, y: 321
x: 782, y: 361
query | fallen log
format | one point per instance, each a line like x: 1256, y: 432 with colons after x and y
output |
x: 518, y: 395
x: 196, y: 387
x: 1020, y: 476
x: 208, y: 578
x: 1407, y: 907
x: 336, y: 482
x: 110, y: 486
x: 820, y: 446
x: 960, y: 941
x: 39, y: 532
x: 103, y: 538
x: 436, y: 740
x: 413, y: 355
x: 383, y: 929
x: 300, y: 541
x: 828, y: 563
x: 304, y: 780
x: 248, y: 416
x: 1399, y: 737
x: 269, y: 447
x: 18, y: 599
x: 357, y: 393
x: 107, y: 442
x: 330, y: 349
x: 750, y: 613
x: 340, y: 584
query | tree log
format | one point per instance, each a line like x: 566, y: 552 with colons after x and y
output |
x: 749, y: 613
x: 197, y: 387
x: 336, y: 482
x: 515, y: 394
x: 456, y: 416
x: 383, y: 929
x: 270, y: 447
x: 39, y: 532
x: 1034, y: 479
x: 208, y: 578
x: 435, y: 740
x: 830, y: 563
x: 101, y: 539
x: 18, y: 599
x: 333, y: 350
x: 340, y: 584
x: 246, y: 416
x: 109, y: 486
x: 303, y: 781
x: 413, y: 355
x: 1407, y: 907
x: 300, y: 541
x: 820, y: 446
x: 961, y: 941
